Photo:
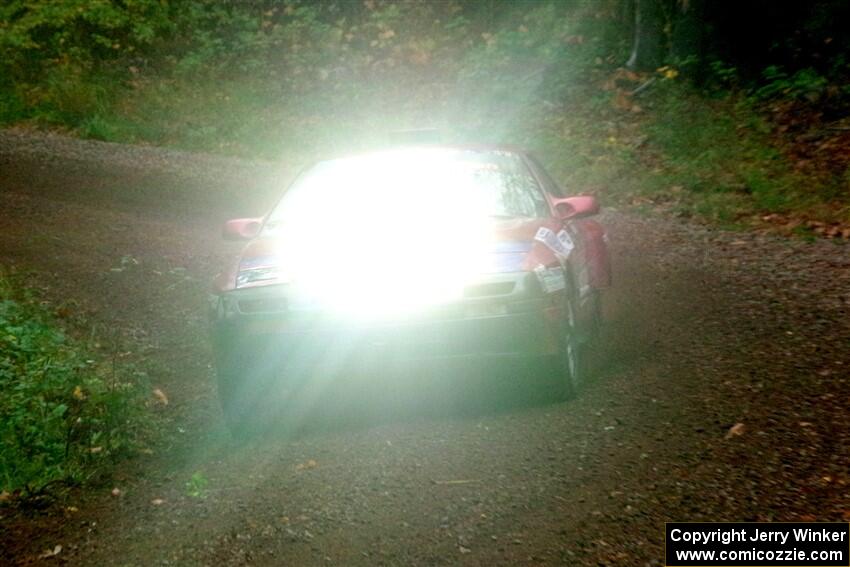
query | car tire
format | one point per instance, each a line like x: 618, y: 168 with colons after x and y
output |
x: 236, y: 416
x: 570, y: 363
x: 239, y: 407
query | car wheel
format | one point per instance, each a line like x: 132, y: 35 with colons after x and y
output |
x: 236, y: 415
x: 240, y: 405
x: 570, y: 365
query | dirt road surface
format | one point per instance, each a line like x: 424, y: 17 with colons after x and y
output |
x: 705, y: 330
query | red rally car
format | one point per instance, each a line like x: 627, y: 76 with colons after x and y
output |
x: 431, y: 252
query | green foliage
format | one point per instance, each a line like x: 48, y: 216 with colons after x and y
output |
x: 723, y: 75
x: 62, y: 414
x: 37, y: 34
x: 804, y: 84
x: 196, y: 486
x: 56, y: 56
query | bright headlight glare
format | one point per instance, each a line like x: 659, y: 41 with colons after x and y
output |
x: 378, y: 249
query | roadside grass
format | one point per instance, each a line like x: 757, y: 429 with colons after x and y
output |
x: 66, y: 413
x: 713, y: 159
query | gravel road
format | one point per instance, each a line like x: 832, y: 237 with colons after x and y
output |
x: 705, y: 330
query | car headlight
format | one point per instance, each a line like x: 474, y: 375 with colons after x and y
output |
x: 261, y: 269
x: 255, y: 275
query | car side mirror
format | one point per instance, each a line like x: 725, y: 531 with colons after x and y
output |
x: 576, y: 207
x: 242, y: 229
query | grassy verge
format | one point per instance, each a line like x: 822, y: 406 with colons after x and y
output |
x: 65, y: 414
x: 708, y: 158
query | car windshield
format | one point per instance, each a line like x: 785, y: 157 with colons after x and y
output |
x: 414, y: 181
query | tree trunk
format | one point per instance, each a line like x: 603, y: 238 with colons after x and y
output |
x: 648, y: 48
x: 687, y: 41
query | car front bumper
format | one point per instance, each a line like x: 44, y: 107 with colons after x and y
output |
x: 259, y: 325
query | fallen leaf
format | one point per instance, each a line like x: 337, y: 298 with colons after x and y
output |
x: 78, y: 394
x: 63, y: 312
x: 51, y: 552
x: 310, y: 464
x: 160, y: 396
x: 736, y: 430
